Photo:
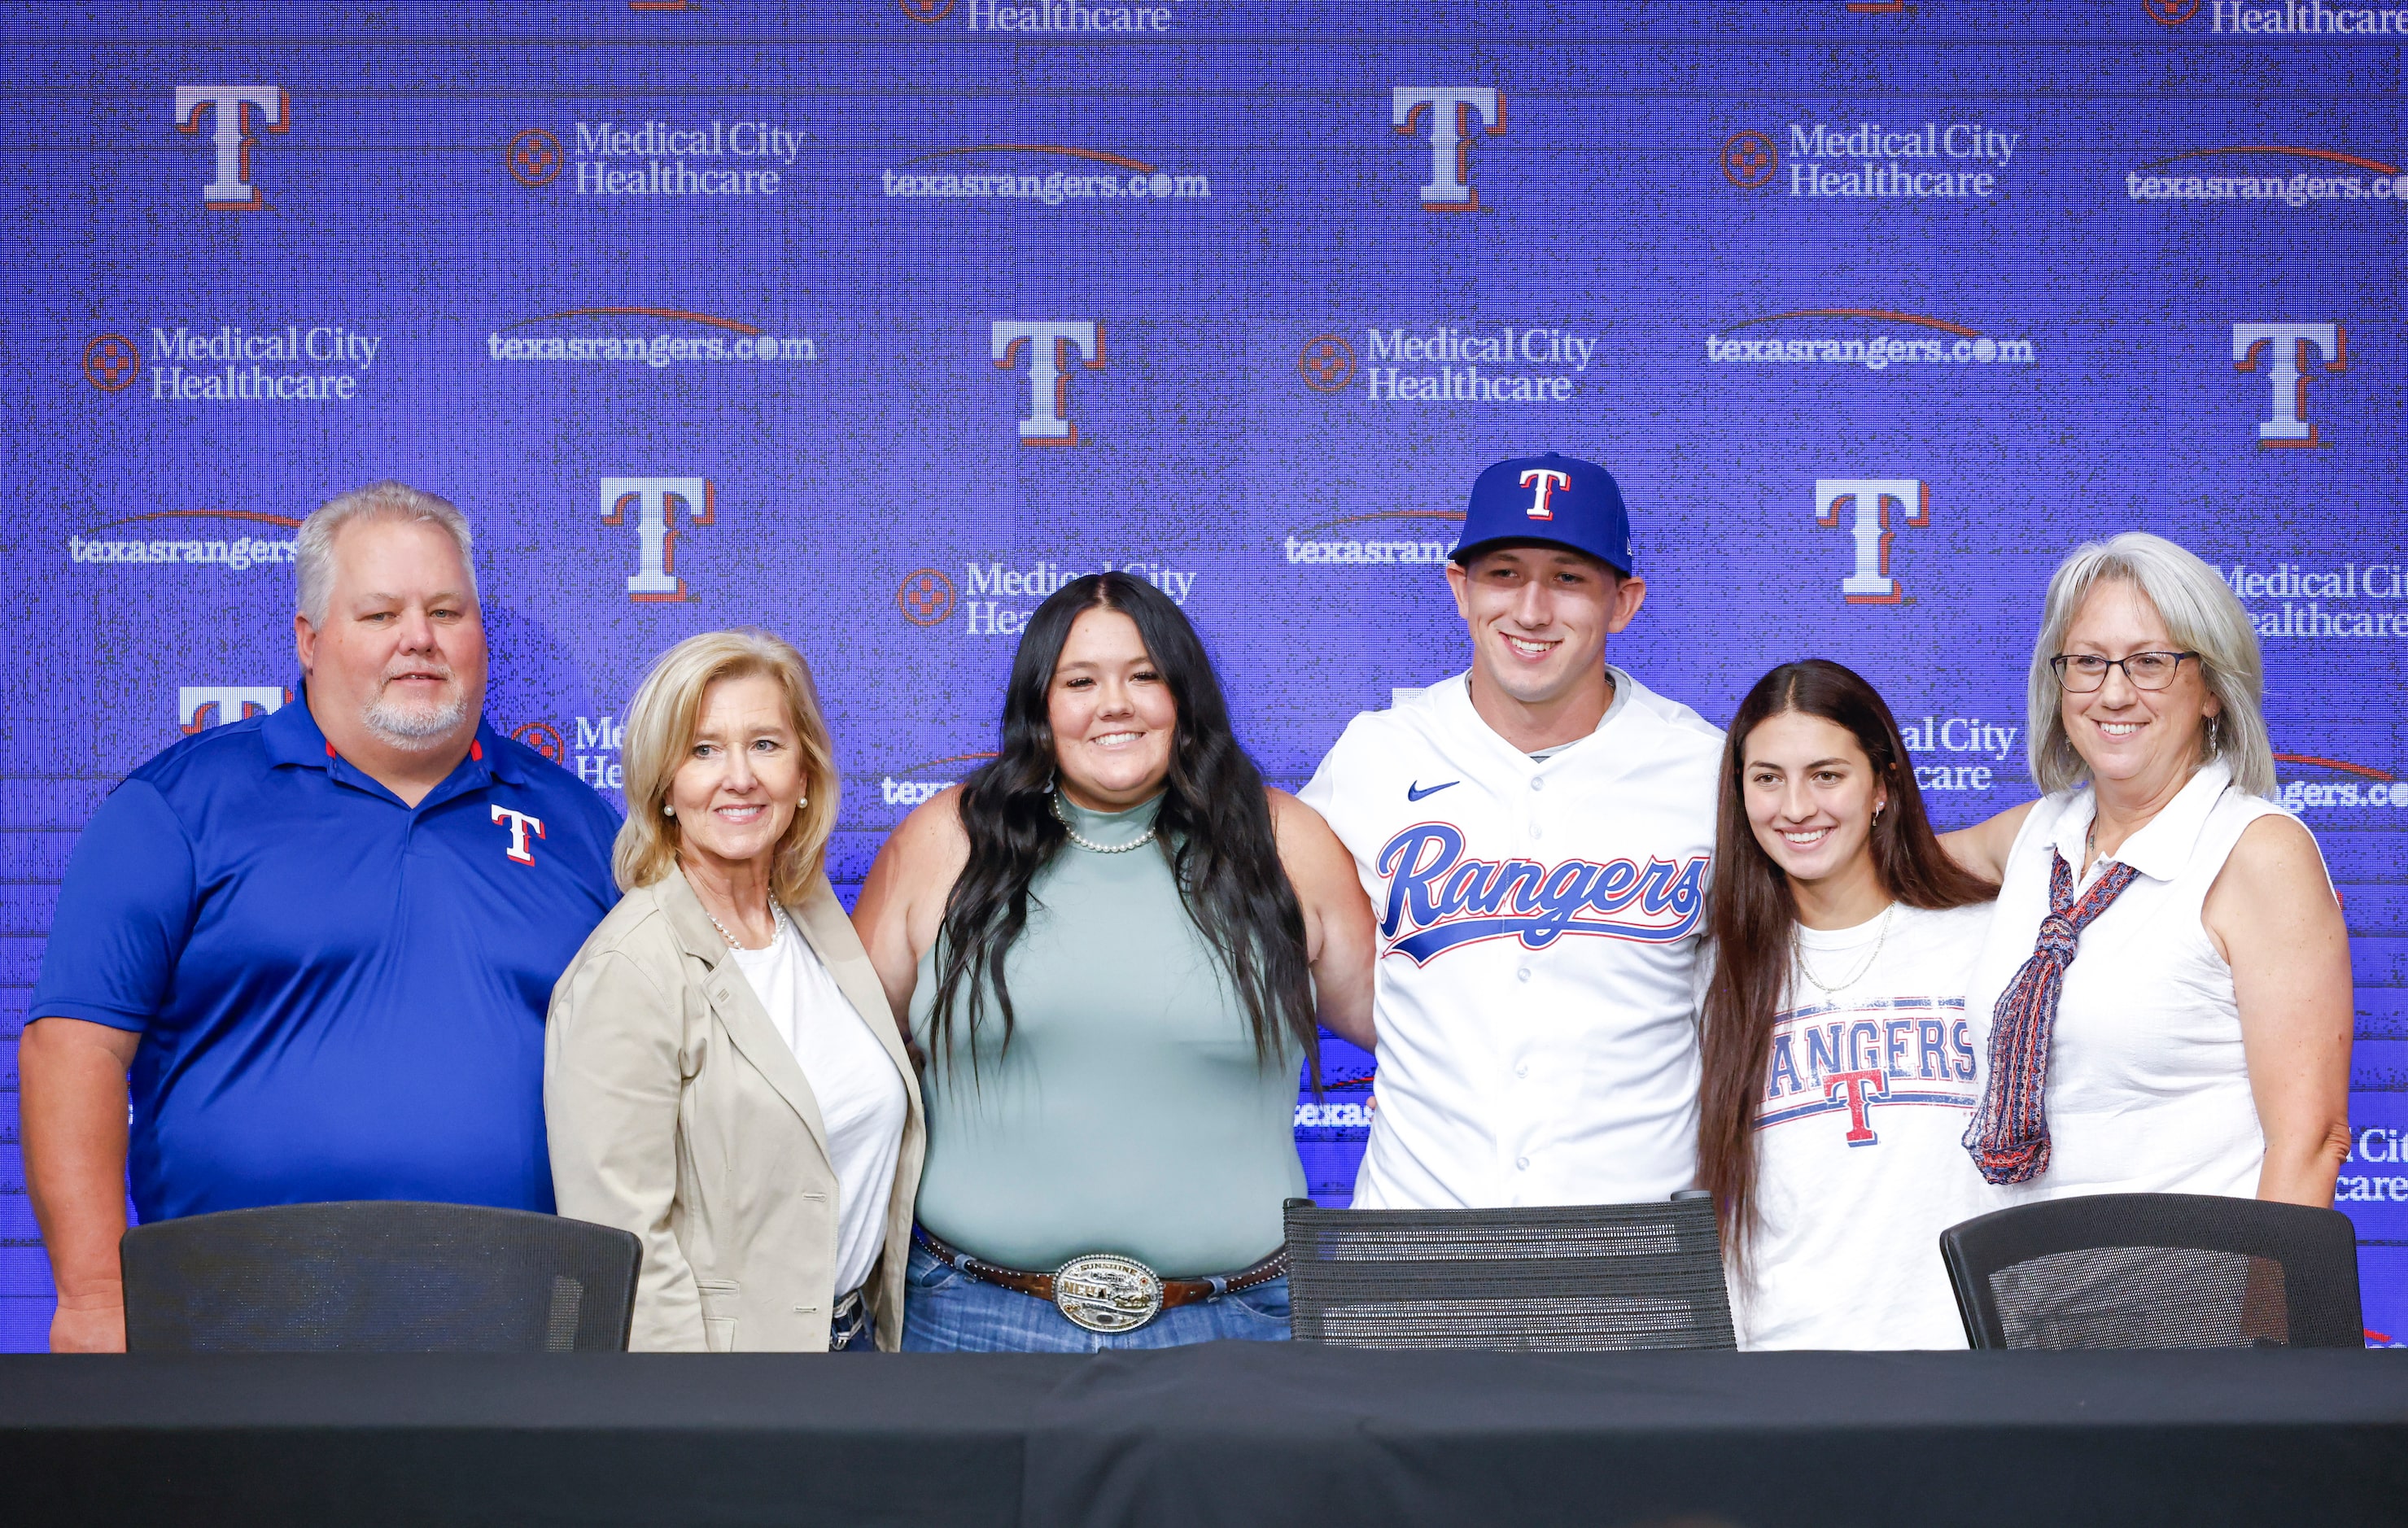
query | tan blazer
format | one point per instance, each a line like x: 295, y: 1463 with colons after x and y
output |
x: 677, y: 1111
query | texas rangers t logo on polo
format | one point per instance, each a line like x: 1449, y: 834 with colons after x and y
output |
x: 520, y: 822
x: 1548, y: 480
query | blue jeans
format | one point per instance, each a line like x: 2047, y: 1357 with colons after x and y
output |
x: 946, y: 1310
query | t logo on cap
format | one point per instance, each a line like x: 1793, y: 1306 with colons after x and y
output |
x: 1548, y: 480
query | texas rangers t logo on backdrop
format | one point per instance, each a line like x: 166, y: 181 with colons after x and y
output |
x: 656, y: 501
x: 1548, y: 480
x: 230, y: 190
x: 232, y: 702
x: 520, y: 822
x: 1871, y: 582
x: 1449, y: 106
x: 1049, y: 376
x: 2286, y: 347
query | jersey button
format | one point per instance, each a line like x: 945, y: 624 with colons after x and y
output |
x: 1538, y: 784
x: 1522, y: 1070
x: 1522, y: 974
x: 1537, y: 832
x: 1523, y: 1163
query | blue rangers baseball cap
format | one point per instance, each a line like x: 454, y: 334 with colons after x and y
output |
x: 1551, y: 500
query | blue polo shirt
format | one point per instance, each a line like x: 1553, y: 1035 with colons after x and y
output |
x: 339, y: 996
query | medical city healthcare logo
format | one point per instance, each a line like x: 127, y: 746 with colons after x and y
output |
x: 2288, y: 354
x: 647, y: 339
x: 1034, y: 175
x: 233, y: 112
x: 1862, y: 160
x: 926, y: 596
x: 1877, y: 508
x: 657, y: 159
x: 232, y: 363
x: 1927, y: 340
x: 1451, y: 363
x: 2269, y: 175
x: 2323, y: 600
x: 1066, y: 20
x: 2290, y: 19
x: 1446, y: 114
x: 1000, y: 595
x: 219, y: 539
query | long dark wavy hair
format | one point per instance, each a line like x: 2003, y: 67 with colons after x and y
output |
x: 1752, y: 917
x: 1214, y: 827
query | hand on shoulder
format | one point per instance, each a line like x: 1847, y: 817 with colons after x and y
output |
x: 1983, y: 849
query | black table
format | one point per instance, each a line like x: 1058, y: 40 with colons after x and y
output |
x: 1238, y: 1433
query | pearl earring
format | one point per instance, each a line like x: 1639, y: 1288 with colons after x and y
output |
x: 667, y: 810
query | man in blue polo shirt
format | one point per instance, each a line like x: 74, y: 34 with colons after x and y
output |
x: 321, y: 940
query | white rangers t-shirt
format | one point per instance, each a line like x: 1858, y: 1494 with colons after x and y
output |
x: 1860, y: 1158
x: 1539, y: 927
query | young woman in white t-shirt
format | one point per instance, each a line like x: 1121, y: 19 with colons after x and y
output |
x: 1838, y: 1068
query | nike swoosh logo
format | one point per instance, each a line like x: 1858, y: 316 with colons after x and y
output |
x: 1414, y: 791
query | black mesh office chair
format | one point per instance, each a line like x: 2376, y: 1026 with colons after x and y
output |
x: 2157, y: 1270
x: 1587, y: 1277
x: 379, y: 1276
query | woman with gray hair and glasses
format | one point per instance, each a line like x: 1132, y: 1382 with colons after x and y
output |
x: 2167, y: 979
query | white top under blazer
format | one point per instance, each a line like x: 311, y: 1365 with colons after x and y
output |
x: 2148, y: 1088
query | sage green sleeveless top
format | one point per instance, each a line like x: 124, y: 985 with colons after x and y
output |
x: 1130, y: 1113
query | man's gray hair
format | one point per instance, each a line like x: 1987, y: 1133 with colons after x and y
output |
x: 2202, y: 614
x: 313, y: 552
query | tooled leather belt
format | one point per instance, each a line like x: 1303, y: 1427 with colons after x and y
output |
x: 1105, y: 1292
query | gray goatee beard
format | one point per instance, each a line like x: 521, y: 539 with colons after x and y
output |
x: 414, y: 727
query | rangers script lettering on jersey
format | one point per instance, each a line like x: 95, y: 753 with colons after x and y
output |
x: 1539, y: 928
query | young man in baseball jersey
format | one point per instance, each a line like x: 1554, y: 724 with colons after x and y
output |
x: 1534, y: 834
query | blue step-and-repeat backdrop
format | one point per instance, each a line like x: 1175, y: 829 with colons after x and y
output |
x: 873, y: 321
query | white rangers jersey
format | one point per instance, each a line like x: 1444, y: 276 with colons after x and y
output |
x: 1540, y: 923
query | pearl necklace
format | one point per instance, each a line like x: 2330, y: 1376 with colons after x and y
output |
x: 1879, y: 938
x: 1089, y: 844
x: 776, y: 927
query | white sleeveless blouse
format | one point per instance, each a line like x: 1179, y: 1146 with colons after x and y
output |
x: 2148, y: 1091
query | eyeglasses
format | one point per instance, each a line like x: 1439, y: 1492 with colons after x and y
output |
x: 2080, y: 673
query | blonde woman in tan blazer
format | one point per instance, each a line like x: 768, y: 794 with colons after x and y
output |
x: 720, y: 1073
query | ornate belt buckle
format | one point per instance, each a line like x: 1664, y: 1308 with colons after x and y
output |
x: 1106, y: 1292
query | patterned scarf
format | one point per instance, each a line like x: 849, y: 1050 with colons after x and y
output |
x: 2009, y: 1134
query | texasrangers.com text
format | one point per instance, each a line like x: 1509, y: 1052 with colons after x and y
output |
x: 657, y: 351
x: 2301, y: 190
x: 1054, y: 188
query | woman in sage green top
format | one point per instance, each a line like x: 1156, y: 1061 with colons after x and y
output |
x: 1110, y: 1123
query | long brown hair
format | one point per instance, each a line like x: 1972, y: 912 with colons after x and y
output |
x: 1751, y: 917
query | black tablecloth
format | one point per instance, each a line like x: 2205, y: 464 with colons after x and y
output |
x: 1226, y: 1434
